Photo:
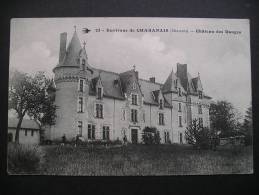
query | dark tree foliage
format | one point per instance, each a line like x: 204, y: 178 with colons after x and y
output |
x: 200, y: 137
x: 247, y: 127
x: 28, y: 95
x: 223, y: 118
x: 150, y: 136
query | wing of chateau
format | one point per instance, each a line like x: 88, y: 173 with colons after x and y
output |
x: 102, y: 105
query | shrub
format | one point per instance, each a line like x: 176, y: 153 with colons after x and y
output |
x: 200, y: 137
x: 150, y: 135
x: 24, y: 158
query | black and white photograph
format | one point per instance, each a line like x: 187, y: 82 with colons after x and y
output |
x: 106, y: 96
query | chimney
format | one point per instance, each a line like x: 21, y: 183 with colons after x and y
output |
x: 63, y: 44
x: 152, y: 79
x: 182, y: 74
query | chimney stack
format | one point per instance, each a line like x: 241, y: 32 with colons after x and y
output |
x: 63, y: 44
x: 182, y: 74
x: 152, y: 79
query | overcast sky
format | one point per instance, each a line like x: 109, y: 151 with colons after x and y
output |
x: 223, y: 60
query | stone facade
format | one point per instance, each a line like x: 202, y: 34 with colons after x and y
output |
x: 98, y: 104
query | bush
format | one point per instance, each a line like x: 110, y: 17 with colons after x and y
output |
x: 24, y: 158
x: 201, y: 137
x: 150, y: 135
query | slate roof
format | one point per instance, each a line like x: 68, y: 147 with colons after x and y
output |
x: 147, y: 88
x: 115, y: 85
x: 109, y: 81
x: 72, y: 53
x: 26, y: 124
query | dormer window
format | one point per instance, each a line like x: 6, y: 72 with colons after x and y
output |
x: 134, y: 85
x: 99, y: 93
x: 200, y: 94
x: 83, y: 64
x: 179, y: 92
x: 160, y: 104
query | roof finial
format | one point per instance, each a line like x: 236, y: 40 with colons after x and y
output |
x: 84, y: 44
x: 75, y: 27
x: 134, y: 67
x: 198, y: 74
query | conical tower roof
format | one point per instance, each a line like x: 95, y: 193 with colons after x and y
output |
x: 73, y: 51
x: 169, y: 84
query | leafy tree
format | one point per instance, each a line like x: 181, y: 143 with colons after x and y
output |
x: 247, y: 127
x: 223, y: 118
x: 28, y: 95
x: 151, y: 135
x: 200, y: 137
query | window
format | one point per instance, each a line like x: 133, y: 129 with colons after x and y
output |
x: 10, y: 137
x: 99, y: 93
x: 134, y: 99
x: 199, y: 109
x: 200, y: 94
x: 160, y: 104
x: 201, y: 122
x: 106, y: 133
x: 25, y: 132
x: 134, y: 85
x: 99, y: 110
x: 161, y: 119
x: 80, y: 104
x: 181, y: 138
x: 32, y: 132
x: 166, y: 136
x: 91, y: 131
x: 80, y: 127
x: 81, y: 85
x: 179, y: 107
x: 180, y: 121
x: 134, y: 115
x: 83, y: 64
x: 179, y: 91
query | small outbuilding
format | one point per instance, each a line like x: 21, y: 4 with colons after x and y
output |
x: 29, y: 132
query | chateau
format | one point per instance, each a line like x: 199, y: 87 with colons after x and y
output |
x: 102, y: 105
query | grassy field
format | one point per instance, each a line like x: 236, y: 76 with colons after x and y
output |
x: 145, y: 160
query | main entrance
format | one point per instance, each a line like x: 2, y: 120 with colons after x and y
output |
x: 134, y: 136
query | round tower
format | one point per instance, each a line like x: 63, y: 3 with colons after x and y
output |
x: 72, y: 77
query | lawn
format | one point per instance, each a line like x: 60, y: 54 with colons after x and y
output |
x: 145, y: 160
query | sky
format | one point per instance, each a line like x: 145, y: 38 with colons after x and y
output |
x: 222, y: 59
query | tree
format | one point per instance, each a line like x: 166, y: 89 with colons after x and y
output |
x: 151, y: 135
x: 200, y: 137
x: 247, y: 127
x: 28, y: 95
x: 223, y: 118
